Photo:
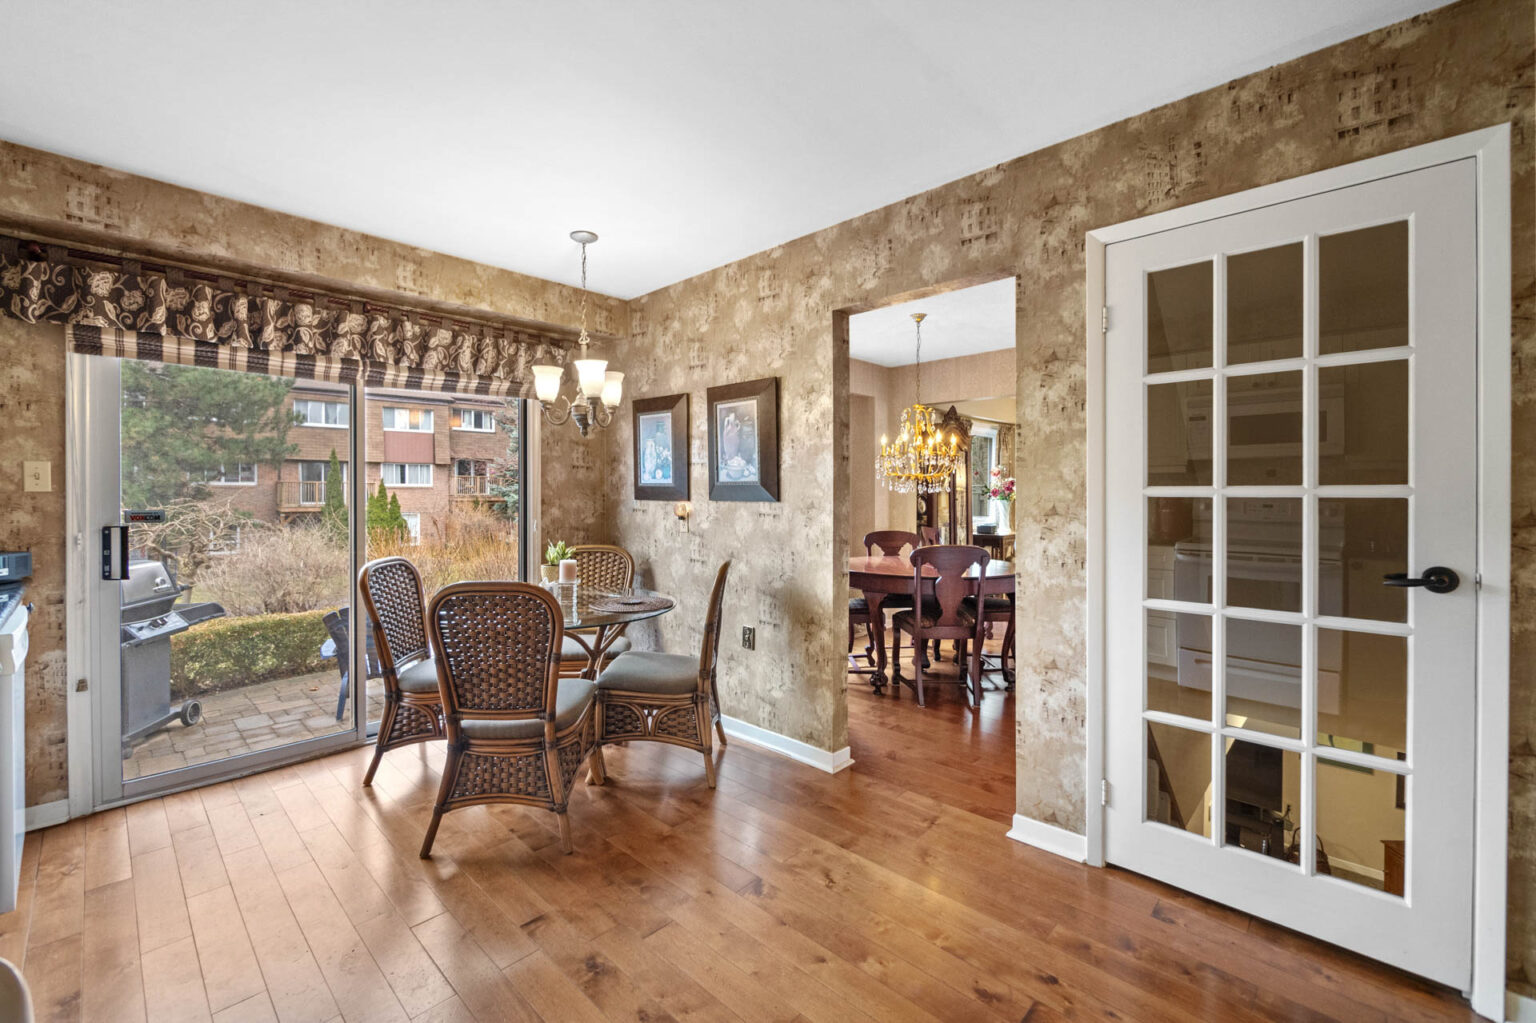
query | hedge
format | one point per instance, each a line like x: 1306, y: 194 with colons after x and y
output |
x: 226, y: 653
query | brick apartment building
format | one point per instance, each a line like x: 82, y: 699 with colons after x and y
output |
x: 433, y: 451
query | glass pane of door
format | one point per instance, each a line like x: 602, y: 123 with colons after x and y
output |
x: 444, y: 478
x: 239, y: 577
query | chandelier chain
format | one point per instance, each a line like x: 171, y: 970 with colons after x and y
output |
x: 583, y: 339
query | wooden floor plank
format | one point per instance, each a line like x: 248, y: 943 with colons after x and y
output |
x: 294, y: 982
x: 231, y: 974
x: 107, y: 851
x: 485, y: 990
x: 113, y: 983
x: 173, y: 983
x: 161, y: 903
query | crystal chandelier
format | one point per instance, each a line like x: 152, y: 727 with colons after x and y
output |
x: 920, y: 459
x: 599, y: 389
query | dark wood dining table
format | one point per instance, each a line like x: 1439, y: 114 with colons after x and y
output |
x: 880, y: 576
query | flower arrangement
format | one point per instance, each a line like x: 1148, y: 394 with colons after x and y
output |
x: 1002, y: 487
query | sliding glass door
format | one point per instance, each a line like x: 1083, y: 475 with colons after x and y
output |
x: 221, y: 615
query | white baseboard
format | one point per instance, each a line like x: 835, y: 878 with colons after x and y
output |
x: 794, y: 749
x: 1050, y: 838
x: 1518, y: 1008
x: 46, y: 815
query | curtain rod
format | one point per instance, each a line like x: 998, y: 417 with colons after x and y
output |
x: 38, y: 251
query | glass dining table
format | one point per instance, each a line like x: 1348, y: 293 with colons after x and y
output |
x: 595, y: 618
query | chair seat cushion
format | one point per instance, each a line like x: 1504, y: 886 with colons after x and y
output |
x: 995, y: 604
x: 647, y: 671
x: 892, y: 602
x: 858, y: 606
x: 905, y: 619
x: 420, y: 677
x: 573, y: 697
x: 570, y: 649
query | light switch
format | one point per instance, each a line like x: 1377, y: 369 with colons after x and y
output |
x: 37, y: 476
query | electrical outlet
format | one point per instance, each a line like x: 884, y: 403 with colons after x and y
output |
x: 748, y: 637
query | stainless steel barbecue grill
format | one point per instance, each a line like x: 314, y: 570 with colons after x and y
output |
x: 150, y: 617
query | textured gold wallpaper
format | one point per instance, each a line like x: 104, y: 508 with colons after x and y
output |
x: 1456, y: 69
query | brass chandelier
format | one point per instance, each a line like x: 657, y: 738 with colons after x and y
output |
x: 598, y: 388
x: 920, y: 460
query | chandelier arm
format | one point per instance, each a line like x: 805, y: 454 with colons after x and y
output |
x: 602, y: 415
x: 560, y: 417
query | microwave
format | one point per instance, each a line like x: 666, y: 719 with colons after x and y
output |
x: 1266, y: 424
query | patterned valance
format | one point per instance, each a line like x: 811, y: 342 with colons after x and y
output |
x: 166, y: 316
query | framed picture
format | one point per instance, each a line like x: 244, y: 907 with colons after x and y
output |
x: 661, y: 448
x: 744, y: 441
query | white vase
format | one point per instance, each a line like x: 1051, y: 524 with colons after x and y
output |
x: 1003, y: 515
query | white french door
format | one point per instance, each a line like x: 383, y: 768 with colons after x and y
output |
x: 1290, y: 563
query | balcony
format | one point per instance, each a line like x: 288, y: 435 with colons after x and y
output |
x: 302, y: 495
x: 471, y: 486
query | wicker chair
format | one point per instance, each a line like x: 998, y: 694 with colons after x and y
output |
x: 413, y: 708
x: 949, y: 614
x: 517, y: 732
x: 604, y: 567
x: 672, y: 698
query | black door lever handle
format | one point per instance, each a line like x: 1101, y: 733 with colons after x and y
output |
x: 1437, y: 579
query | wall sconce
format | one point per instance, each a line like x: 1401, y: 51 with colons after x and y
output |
x: 683, y: 510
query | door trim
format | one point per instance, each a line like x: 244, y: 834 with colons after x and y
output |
x: 1490, y: 147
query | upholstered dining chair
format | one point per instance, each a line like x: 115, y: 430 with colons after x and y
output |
x: 888, y: 542
x: 396, y: 608
x: 517, y: 731
x: 949, y: 614
x: 601, y: 566
x: 997, y: 609
x: 672, y: 698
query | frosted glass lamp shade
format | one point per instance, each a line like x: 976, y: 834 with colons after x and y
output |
x: 613, y: 388
x: 589, y: 373
x: 546, y: 382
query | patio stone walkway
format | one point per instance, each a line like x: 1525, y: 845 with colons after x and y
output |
x: 251, y: 718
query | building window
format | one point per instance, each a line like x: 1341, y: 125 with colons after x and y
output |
x: 227, y: 542
x: 414, y: 420
x: 311, y: 412
x: 413, y: 524
x: 406, y: 474
x: 244, y: 475
x: 478, y: 420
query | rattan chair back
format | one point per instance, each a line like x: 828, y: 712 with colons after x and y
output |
x: 603, y: 566
x: 498, y: 647
x: 709, y: 650
x: 396, y: 606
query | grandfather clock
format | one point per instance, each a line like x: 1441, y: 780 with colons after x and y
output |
x: 950, y: 509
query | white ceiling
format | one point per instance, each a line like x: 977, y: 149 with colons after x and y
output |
x: 964, y: 322
x: 688, y: 133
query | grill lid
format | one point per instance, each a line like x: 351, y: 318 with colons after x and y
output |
x: 147, y: 580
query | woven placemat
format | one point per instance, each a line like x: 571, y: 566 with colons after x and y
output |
x: 618, y: 604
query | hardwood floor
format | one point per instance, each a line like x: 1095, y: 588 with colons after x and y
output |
x: 884, y: 893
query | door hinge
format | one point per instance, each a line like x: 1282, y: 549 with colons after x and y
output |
x: 1104, y: 792
x: 81, y: 685
x: 1104, y: 320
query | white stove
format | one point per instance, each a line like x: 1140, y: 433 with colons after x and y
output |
x: 14, y: 615
x: 1264, y: 570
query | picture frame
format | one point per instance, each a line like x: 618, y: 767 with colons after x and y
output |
x: 660, y: 440
x: 744, y: 441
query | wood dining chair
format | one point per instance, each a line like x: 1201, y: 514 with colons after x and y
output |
x: 645, y: 694
x: 888, y: 542
x: 517, y: 731
x: 396, y: 607
x: 601, y: 566
x: 945, y: 615
x: 997, y: 609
